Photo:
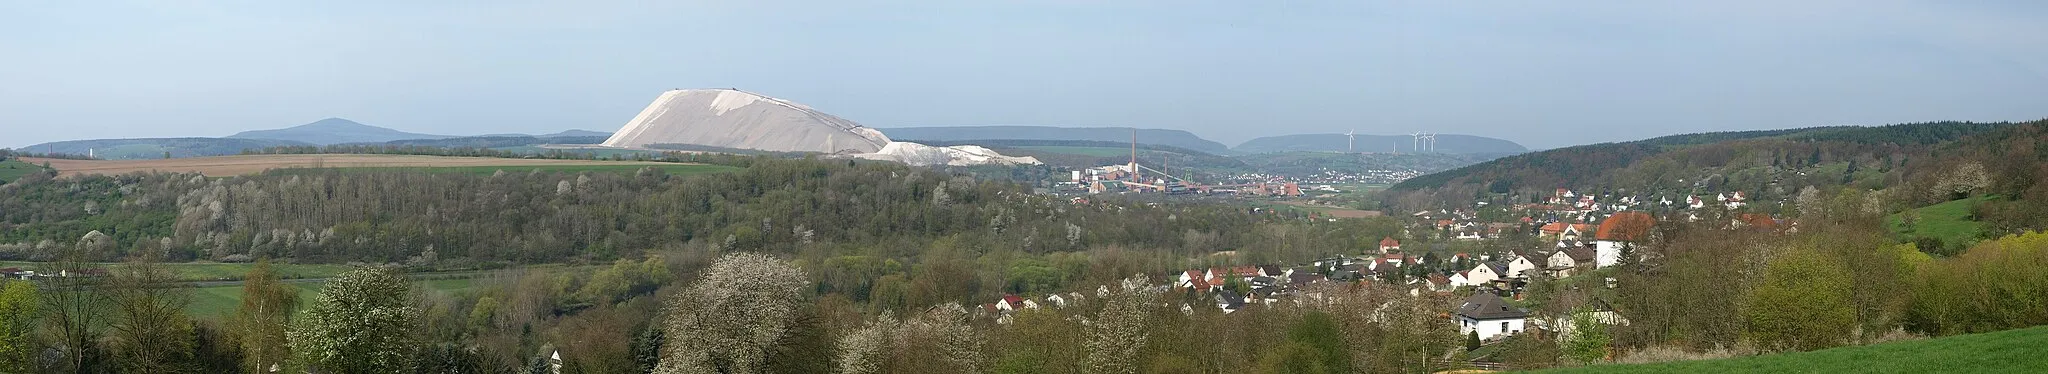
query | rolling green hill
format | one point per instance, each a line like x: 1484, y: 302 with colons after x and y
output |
x: 2010, y: 351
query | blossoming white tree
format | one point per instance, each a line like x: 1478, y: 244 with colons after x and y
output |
x: 733, y: 316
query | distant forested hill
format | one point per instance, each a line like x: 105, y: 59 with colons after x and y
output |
x: 334, y: 131
x: 1446, y: 143
x: 151, y: 148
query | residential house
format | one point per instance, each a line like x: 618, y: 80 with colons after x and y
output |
x: 1622, y: 229
x: 1440, y: 283
x: 1274, y: 271
x: 1261, y: 282
x: 1010, y: 303
x: 1302, y: 278
x: 1567, y: 261
x: 1193, y: 279
x: 1490, y: 317
x: 1229, y: 301
x: 1597, y: 312
x: 1522, y: 263
x: 1388, y: 244
x: 1486, y: 272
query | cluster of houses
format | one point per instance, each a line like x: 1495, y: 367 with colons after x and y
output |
x: 1589, y: 233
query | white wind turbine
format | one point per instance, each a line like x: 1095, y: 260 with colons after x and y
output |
x: 1350, y: 138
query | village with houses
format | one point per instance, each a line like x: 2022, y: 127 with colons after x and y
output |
x: 1582, y: 234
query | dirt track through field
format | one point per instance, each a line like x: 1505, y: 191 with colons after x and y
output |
x: 250, y: 164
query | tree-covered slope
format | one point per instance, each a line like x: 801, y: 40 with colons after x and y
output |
x: 1771, y: 163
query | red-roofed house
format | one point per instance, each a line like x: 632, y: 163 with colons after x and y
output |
x: 1010, y: 303
x: 1623, y: 228
x: 1389, y: 244
x: 1194, y: 279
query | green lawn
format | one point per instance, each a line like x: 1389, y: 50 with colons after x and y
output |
x: 1077, y: 150
x: 674, y: 169
x: 210, y: 271
x: 219, y: 301
x: 2011, y: 351
x: 13, y: 169
x: 1949, y: 221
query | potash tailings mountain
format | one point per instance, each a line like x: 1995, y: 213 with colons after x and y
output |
x: 734, y: 119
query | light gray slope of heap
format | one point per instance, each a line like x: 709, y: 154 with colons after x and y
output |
x: 728, y: 118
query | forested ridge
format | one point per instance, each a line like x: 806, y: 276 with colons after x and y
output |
x: 1769, y: 165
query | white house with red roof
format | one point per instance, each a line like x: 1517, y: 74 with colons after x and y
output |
x: 1622, y: 229
x: 1388, y: 244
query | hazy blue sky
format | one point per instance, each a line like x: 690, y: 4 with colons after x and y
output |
x: 1545, y: 75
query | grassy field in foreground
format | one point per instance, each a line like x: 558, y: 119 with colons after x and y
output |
x: 2011, y: 351
x: 211, y: 271
x: 12, y: 169
x: 220, y: 301
x: 1949, y: 221
x: 676, y: 169
x: 1077, y: 150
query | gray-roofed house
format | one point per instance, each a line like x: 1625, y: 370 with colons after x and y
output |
x: 1490, y: 316
x: 1229, y: 301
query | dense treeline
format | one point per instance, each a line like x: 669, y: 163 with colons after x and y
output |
x: 881, y: 210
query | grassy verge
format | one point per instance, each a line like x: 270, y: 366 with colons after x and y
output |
x: 2011, y: 351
